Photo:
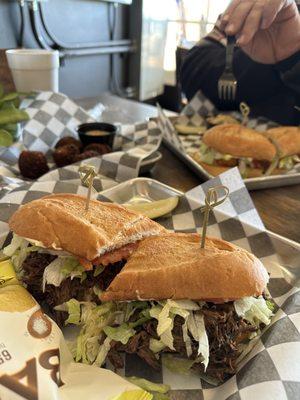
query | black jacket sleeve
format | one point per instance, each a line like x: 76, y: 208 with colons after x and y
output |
x: 270, y: 90
x: 289, y: 71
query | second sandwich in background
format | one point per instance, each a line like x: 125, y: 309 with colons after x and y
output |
x: 255, y: 153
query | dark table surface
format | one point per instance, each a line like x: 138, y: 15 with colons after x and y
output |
x: 279, y: 208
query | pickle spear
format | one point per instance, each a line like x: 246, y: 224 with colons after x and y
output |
x: 156, y: 208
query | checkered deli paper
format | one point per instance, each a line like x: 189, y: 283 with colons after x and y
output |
x: 272, y: 369
x: 53, y: 116
x: 194, y: 114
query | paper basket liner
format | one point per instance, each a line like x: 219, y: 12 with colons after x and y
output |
x: 272, y: 369
x: 53, y: 116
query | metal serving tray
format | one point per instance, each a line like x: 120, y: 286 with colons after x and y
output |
x: 251, y: 183
x: 145, y: 190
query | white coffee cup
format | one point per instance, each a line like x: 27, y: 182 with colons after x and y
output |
x: 34, y: 69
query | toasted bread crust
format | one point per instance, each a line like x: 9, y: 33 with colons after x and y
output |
x: 239, y: 141
x: 60, y: 222
x: 173, y: 266
x: 287, y: 138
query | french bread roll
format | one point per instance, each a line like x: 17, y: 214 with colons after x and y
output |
x: 173, y: 266
x: 287, y: 139
x: 239, y: 141
x: 60, y: 222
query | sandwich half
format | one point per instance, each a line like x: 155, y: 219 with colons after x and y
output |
x: 256, y: 154
x: 287, y: 140
x: 199, y: 308
x: 61, y: 251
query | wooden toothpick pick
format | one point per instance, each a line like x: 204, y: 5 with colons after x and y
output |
x: 211, y: 201
x: 87, y: 175
x: 245, y: 110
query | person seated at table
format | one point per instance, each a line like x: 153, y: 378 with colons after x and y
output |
x: 266, y: 59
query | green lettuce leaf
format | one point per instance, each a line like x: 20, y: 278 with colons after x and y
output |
x: 156, y: 345
x: 148, y: 385
x: 120, y: 334
x: 254, y: 310
x: 288, y: 162
x: 18, y: 250
x: 102, y: 353
x: 178, y: 365
x: 73, y: 308
x: 14, y: 245
x: 138, y: 394
x: 61, y: 268
x: 271, y: 305
x: 98, y: 270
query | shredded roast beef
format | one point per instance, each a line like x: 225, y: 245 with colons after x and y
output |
x: 225, y: 331
x: 33, y: 268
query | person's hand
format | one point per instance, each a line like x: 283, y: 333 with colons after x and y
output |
x: 267, y: 30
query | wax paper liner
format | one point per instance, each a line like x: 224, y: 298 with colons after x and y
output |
x: 52, y: 116
x: 272, y: 369
x: 194, y: 114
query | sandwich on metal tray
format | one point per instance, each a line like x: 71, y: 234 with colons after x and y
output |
x: 60, y: 251
x: 133, y: 287
x: 255, y: 153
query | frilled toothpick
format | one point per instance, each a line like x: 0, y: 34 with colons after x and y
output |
x: 212, y: 200
x: 245, y: 110
x: 87, y: 175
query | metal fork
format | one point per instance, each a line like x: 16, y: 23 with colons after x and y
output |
x: 227, y: 83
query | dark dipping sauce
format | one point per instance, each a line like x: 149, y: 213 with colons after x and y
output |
x: 97, y: 132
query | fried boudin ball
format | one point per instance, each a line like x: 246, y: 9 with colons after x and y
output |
x: 65, y: 155
x: 32, y: 164
x: 86, y: 154
x: 68, y: 140
x: 100, y: 148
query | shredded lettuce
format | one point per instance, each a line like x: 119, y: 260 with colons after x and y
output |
x: 103, y: 351
x: 64, y: 266
x: 156, y: 345
x: 98, y: 270
x: 165, y: 313
x: 137, y: 394
x: 208, y: 155
x: 14, y: 245
x: 73, y: 308
x: 288, y: 162
x: 17, y: 250
x: 270, y: 305
x: 179, y: 365
x: 195, y: 324
x: 61, y: 268
x: 120, y: 334
x: 253, y: 310
x: 148, y: 385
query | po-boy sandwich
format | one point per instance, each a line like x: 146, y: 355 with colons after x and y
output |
x: 60, y: 251
x: 287, y: 140
x: 255, y: 153
x: 201, y: 305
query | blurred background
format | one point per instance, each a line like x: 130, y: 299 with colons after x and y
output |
x: 132, y: 48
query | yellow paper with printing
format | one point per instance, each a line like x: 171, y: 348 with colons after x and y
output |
x: 7, y: 274
x: 35, y: 362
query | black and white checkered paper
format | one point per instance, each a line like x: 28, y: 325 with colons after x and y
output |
x: 53, y: 116
x: 194, y: 114
x: 272, y: 369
